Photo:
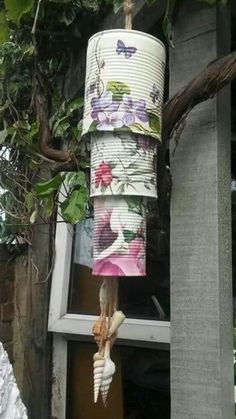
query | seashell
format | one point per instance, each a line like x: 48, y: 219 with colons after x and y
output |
x: 113, y: 338
x: 103, y: 297
x: 98, y: 367
x: 107, y: 375
x: 100, y: 330
x: 117, y: 320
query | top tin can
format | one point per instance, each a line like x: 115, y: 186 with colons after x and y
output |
x: 124, y: 83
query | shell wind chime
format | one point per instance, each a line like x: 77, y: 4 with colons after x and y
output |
x: 122, y: 120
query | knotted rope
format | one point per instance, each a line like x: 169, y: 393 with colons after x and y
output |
x: 128, y: 11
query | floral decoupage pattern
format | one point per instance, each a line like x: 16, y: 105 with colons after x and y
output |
x: 124, y: 89
x: 119, y: 239
x: 123, y: 164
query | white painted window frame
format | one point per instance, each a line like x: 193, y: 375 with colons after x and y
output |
x: 66, y: 323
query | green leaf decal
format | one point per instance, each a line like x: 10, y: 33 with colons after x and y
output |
x: 118, y: 89
x: 44, y: 189
x: 73, y: 208
x: 93, y: 126
x: 17, y: 8
x: 154, y: 122
x: 128, y: 235
x: 4, y: 30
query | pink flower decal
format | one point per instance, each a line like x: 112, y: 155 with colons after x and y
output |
x: 136, y: 248
x: 117, y: 249
x: 103, y: 175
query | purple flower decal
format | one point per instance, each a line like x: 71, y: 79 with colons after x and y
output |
x: 140, y: 110
x: 104, y: 110
x: 109, y: 120
x: 133, y: 109
x: 99, y: 104
x: 112, y: 114
x: 145, y: 143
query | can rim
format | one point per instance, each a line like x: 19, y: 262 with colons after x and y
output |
x: 134, y: 31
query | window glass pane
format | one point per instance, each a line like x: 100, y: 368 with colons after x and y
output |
x: 142, y: 297
x: 140, y: 388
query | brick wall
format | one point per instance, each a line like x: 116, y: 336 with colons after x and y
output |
x: 6, y: 301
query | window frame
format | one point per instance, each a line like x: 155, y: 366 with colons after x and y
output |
x: 60, y: 321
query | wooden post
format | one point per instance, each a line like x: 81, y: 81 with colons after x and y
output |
x: 31, y: 340
x: 201, y: 288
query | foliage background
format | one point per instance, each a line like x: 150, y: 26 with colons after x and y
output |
x: 29, y: 179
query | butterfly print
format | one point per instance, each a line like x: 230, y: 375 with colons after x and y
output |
x: 155, y: 93
x: 122, y: 49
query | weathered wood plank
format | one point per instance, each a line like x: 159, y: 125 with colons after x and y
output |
x: 31, y: 340
x: 201, y: 288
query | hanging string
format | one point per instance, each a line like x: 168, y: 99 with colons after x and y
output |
x: 128, y: 11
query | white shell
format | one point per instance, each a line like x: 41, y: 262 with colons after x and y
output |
x: 117, y: 321
x: 107, y: 375
x: 103, y: 296
x: 98, y: 368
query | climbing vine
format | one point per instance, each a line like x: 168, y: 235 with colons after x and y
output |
x: 40, y: 129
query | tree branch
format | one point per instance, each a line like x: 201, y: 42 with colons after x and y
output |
x: 212, y: 79
x: 204, y: 86
x: 42, y: 111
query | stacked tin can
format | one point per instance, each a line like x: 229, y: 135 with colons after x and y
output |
x: 122, y: 119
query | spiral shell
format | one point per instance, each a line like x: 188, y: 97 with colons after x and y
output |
x: 117, y: 320
x: 107, y: 375
x: 98, y: 368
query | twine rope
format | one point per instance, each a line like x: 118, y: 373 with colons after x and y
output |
x: 128, y: 11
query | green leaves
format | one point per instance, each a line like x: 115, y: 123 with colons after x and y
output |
x: 18, y: 8
x: 73, y: 208
x: 44, y: 189
x: 4, y: 30
x: 167, y: 21
x: 212, y: 2
x: 118, y: 89
x: 76, y: 104
x: 75, y: 179
x: 3, y: 135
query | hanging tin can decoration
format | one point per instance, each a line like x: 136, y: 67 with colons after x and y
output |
x: 122, y: 119
x: 119, y: 239
x: 124, y: 83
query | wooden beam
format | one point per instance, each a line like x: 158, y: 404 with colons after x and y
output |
x: 201, y: 284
